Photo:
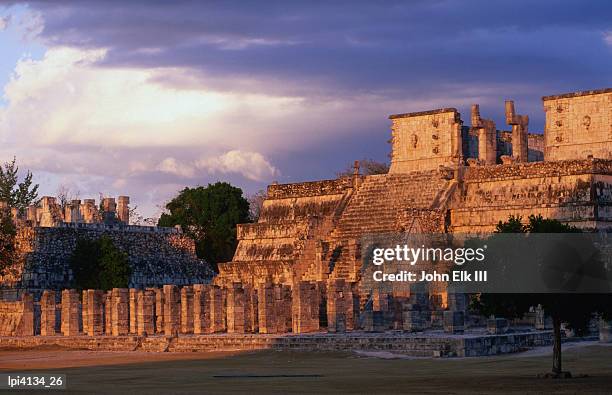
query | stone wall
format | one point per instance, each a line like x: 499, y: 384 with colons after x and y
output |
x: 425, y: 140
x: 157, y: 256
x: 17, y: 318
x: 416, y: 345
x: 573, y: 191
x: 578, y: 125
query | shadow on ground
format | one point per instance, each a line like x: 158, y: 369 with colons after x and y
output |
x: 317, y: 372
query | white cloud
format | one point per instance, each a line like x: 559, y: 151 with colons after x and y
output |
x: 607, y: 36
x: 251, y: 165
x: 4, y: 22
x: 172, y: 166
x: 150, y: 132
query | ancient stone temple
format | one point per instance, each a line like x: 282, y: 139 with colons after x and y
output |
x: 48, y: 232
x: 300, y: 268
x: 444, y: 177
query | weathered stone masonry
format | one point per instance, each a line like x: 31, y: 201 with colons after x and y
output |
x: 46, y: 240
x: 299, y: 268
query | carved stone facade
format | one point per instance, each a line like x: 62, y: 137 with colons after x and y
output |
x: 578, y: 125
x: 444, y: 177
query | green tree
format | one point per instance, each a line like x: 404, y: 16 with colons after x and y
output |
x: 209, y: 216
x: 575, y: 310
x: 8, y: 254
x: 16, y: 194
x: 99, y: 264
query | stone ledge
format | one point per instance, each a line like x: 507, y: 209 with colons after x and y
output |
x: 421, y: 344
x: 421, y: 113
x: 577, y: 94
x: 538, y: 169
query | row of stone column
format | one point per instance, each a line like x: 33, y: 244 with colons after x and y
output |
x: 198, y: 309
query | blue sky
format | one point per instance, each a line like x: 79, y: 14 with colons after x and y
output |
x: 147, y: 97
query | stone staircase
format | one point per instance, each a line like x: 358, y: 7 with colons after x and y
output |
x: 310, y: 266
x: 375, y: 207
x: 380, y: 206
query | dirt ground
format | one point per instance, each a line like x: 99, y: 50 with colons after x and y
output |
x: 314, y: 372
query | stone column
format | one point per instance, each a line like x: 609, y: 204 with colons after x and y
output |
x: 171, y: 310
x: 201, y: 309
x: 454, y: 322
x: 265, y: 306
x: 187, y: 310
x: 250, y: 309
x: 605, y: 331
x: 487, y: 137
x: 110, y: 209
x: 217, y: 320
x: 520, y: 137
x: 93, y: 312
x: 454, y: 319
x: 70, y: 312
x: 285, y: 313
x: 159, y: 310
x: 145, y: 316
x: 123, y: 209
x: 305, y: 307
x: 108, y: 326
x: 235, y: 309
x: 89, y: 211
x: 540, y: 318
x: 133, y: 310
x: 120, y: 311
x: 339, y: 306
x: 84, y: 311
x: 26, y: 327
x: 47, y: 313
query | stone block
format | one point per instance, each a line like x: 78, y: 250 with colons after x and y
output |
x: 146, y: 312
x: 454, y: 322
x: 187, y: 310
x: 70, y: 312
x: 47, y: 313
x: 496, y: 326
x: 236, y: 320
x: 305, y: 307
x: 133, y: 310
x: 120, y: 300
x: 201, y: 309
x: 93, y: 312
x: 172, y: 306
x: 605, y: 331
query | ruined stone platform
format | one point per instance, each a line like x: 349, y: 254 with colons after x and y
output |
x: 430, y: 344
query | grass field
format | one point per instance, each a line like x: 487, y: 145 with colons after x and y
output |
x: 301, y: 372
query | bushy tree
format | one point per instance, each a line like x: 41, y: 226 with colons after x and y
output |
x: 209, y: 216
x: 256, y: 201
x: 16, y: 194
x: 99, y: 264
x: 575, y: 310
x: 8, y: 254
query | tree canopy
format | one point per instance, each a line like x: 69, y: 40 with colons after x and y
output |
x: 7, y: 242
x: 17, y: 194
x: 99, y: 264
x: 575, y: 310
x: 209, y: 215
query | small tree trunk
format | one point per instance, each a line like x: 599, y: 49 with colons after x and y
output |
x: 556, y: 345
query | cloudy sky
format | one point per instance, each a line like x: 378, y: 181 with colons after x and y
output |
x: 143, y: 98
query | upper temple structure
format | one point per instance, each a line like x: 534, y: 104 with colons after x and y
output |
x: 444, y: 177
